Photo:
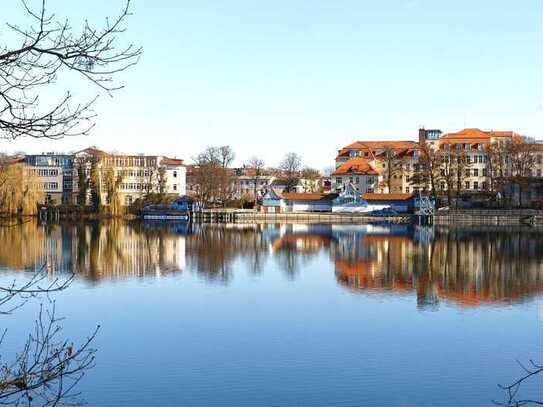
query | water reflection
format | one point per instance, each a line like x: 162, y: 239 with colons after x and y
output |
x: 469, y: 267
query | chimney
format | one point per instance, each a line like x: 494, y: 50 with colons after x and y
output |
x: 422, y: 136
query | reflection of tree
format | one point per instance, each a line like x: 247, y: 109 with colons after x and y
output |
x: 212, y: 250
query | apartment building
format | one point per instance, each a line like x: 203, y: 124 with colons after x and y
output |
x: 61, y: 176
x: 54, y: 174
x: 133, y: 176
x: 390, y: 166
x: 376, y: 166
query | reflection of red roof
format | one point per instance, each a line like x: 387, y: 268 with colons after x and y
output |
x: 395, y: 196
x: 305, y: 196
x: 308, y: 241
x: 355, y: 166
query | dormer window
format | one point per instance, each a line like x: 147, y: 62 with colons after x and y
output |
x: 354, y: 153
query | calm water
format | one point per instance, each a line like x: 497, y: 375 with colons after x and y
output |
x: 291, y: 315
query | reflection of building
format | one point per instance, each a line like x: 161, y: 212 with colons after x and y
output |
x: 93, y: 250
x: 468, y: 269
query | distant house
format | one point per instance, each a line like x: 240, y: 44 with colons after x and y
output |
x: 275, y: 201
x: 400, y: 202
x: 357, y: 172
x: 271, y: 201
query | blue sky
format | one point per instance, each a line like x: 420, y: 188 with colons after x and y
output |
x: 312, y: 76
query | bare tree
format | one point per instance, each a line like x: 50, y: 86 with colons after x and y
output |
x: 48, y: 49
x: 257, y: 166
x: 213, y: 176
x: 291, y: 167
x: 392, y: 167
x: 47, y: 369
x: 428, y: 169
x: 310, y: 179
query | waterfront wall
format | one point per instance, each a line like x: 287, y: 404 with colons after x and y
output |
x: 486, y: 217
x: 315, y: 217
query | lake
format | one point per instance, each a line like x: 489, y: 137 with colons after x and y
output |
x: 289, y: 315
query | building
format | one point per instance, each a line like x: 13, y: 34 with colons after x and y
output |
x: 393, y: 164
x: 399, y: 202
x: 126, y: 177
x: 73, y: 178
x: 275, y: 201
x: 357, y: 172
x: 307, y: 202
x: 55, y: 175
x: 246, y: 182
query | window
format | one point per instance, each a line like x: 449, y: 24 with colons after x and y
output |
x: 357, y: 180
x: 485, y: 185
x: 175, y: 174
x: 467, y: 185
x: 406, y: 190
x: 484, y: 172
x: 350, y: 179
x: 128, y: 200
x: 443, y: 186
x: 354, y: 153
x: 475, y: 172
x: 175, y: 187
x: 468, y: 173
x: 475, y: 185
x: 371, y: 180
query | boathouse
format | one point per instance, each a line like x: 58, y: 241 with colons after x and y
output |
x: 400, y: 202
x: 307, y: 202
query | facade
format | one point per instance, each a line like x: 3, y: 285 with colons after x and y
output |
x: 246, y: 180
x: 55, y: 175
x: 392, y: 165
x: 131, y: 176
x: 63, y: 176
x: 356, y: 172
x: 307, y: 202
x: 400, y: 202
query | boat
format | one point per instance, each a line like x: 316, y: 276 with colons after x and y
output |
x: 177, y: 210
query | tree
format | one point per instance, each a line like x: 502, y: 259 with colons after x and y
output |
x: 427, y: 170
x: 310, y: 179
x: 291, y: 167
x: 392, y: 167
x: 48, y: 367
x: 213, y: 176
x: 20, y: 191
x: 257, y: 165
x: 47, y: 50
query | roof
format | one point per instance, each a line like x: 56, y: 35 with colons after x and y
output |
x: 357, y: 165
x: 395, y: 196
x: 377, y: 145
x: 307, y: 196
x: 172, y: 161
x: 474, y: 135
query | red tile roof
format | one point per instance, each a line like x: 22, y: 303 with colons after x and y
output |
x: 395, y: 196
x: 473, y: 135
x: 376, y: 146
x: 307, y: 196
x: 355, y: 166
x: 172, y: 161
